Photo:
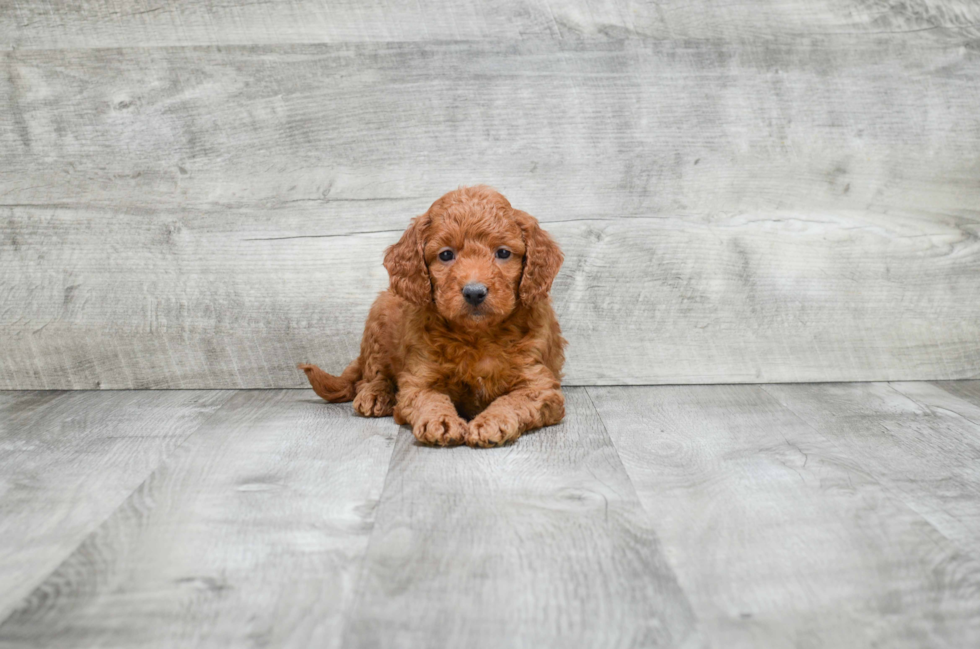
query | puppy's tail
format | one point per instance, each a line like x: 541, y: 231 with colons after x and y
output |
x: 334, y: 388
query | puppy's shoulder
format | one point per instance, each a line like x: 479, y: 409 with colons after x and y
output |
x: 388, y: 308
x: 547, y: 342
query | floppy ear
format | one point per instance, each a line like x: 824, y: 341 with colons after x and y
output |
x: 542, y: 259
x: 408, y: 276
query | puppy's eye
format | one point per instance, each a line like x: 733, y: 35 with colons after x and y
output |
x: 503, y: 253
x: 447, y: 255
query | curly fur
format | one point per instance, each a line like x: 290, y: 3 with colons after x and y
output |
x: 458, y: 373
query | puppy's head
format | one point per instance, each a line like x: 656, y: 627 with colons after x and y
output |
x: 474, y: 258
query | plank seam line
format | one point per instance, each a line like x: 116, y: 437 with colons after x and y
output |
x: 322, y: 236
x: 357, y: 590
x: 612, y: 444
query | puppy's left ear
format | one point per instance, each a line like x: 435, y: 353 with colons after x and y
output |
x: 542, y: 259
x: 408, y: 276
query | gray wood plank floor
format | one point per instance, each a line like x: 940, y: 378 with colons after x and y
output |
x: 780, y: 537
x: 248, y: 533
x: 68, y: 460
x: 838, y: 515
x: 540, y: 544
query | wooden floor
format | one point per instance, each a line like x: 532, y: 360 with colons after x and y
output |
x: 807, y: 515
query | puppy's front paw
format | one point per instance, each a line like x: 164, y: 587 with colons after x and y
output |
x: 492, y: 431
x: 442, y: 430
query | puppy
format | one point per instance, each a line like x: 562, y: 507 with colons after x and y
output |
x: 464, y: 345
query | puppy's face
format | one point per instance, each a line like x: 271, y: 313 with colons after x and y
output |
x: 474, y: 258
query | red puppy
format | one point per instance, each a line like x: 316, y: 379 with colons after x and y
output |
x: 464, y: 344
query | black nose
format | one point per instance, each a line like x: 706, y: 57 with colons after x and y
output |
x: 474, y: 293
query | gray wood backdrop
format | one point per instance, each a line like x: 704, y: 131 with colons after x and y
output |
x: 198, y: 194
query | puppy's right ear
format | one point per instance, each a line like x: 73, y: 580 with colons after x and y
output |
x: 542, y: 260
x: 405, y: 262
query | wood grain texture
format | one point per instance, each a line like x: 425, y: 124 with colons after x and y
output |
x: 67, y: 460
x: 49, y: 24
x: 850, y: 524
x: 780, y: 537
x: 361, y: 137
x: 966, y: 390
x: 786, y: 210
x: 540, y: 544
x: 249, y: 535
x: 919, y: 441
x: 662, y: 300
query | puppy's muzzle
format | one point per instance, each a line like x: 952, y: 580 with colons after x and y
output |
x: 474, y: 293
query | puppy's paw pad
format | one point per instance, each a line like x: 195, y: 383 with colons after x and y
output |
x: 492, y: 431
x: 442, y: 430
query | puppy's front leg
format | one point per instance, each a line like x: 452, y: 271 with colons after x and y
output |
x: 431, y: 414
x: 539, y: 402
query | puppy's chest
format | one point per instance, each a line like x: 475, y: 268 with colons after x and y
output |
x: 478, y: 377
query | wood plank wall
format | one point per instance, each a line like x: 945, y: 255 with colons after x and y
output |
x: 198, y: 194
